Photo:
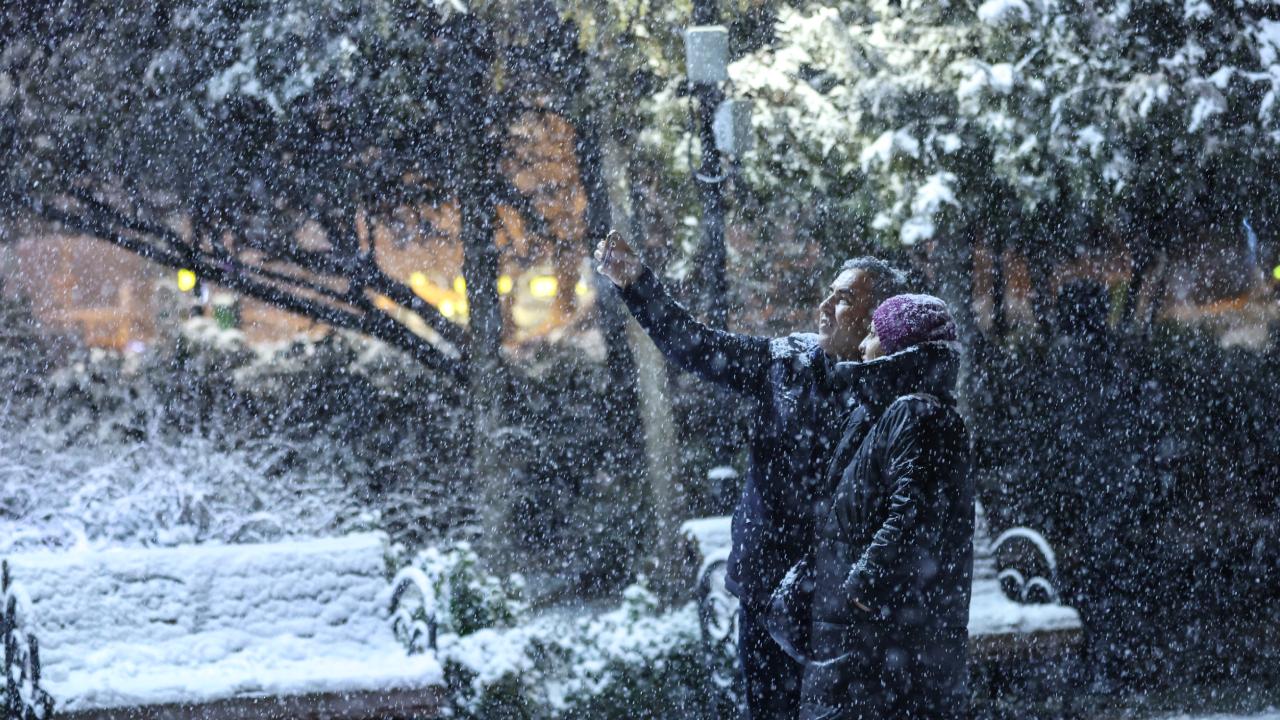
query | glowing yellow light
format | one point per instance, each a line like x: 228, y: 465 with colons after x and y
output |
x: 446, y: 308
x: 460, y: 285
x: 580, y: 289
x: 1275, y: 272
x: 505, y: 284
x: 186, y: 280
x: 543, y: 286
x: 417, y: 281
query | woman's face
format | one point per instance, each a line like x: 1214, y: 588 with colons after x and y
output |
x: 870, y: 345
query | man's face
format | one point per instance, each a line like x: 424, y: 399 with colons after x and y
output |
x: 845, y: 315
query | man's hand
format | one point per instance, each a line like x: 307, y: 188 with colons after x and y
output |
x: 617, y: 261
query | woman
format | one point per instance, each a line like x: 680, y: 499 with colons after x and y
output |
x: 893, y: 559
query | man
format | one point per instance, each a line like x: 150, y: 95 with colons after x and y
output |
x: 797, y: 424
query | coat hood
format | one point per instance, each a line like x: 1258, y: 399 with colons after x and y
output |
x: 929, y: 367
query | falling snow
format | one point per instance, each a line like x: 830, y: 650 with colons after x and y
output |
x: 439, y: 358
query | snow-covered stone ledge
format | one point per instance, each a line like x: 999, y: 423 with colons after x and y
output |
x: 283, y: 629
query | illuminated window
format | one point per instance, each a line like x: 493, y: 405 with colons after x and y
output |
x: 417, y: 281
x: 186, y: 280
x: 543, y: 286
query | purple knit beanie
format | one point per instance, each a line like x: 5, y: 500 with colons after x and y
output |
x: 906, y: 320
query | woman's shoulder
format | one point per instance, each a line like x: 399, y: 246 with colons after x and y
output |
x: 924, y: 410
x: 919, y: 405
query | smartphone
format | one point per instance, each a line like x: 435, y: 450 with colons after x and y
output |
x: 609, y: 241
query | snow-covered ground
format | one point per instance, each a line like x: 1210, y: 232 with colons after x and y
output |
x: 1272, y: 714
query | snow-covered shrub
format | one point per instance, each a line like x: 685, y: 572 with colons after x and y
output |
x: 205, y: 437
x: 26, y: 350
x: 635, y: 661
x: 632, y: 662
x: 186, y: 490
x: 209, y: 439
x: 446, y: 591
x: 21, y: 698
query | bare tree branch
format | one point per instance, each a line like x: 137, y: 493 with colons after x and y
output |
x: 114, y: 228
x: 369, y: 275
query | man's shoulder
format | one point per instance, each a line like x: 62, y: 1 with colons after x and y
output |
x: 796, y: 346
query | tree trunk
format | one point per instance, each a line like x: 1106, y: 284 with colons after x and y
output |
x: 670, y: 502
x: 953, y: 267
x: 1140, y: 264
x: 477, y: 174
x: 1157, y: 295
x: 485, y: 377
x: 622, y: 407
x: 999, y: 323
x: 1041, y: 298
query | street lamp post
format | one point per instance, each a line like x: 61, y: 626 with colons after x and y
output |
x: 706, y: 56
x: 721, y: 127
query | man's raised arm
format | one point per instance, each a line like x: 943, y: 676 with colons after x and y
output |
x: 739, y: 362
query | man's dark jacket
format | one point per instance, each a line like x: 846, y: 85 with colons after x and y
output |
x: 796, y: 425
x: 897, y: 538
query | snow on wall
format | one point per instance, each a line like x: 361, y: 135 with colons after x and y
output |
x: 126, y: 627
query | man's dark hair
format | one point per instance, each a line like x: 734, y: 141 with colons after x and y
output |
x: 886, y: 280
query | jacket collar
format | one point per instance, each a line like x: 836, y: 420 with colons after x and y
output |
x: 929, y: 367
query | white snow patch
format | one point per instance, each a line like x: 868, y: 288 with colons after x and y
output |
x: 1000, y: 12
x: 998, y: 77
x: 1207, y: 105
x: 1091, y: 138
x: 1196, y: 10
x: 1221, y: 78
x: 950, y: 143
x: 1268, y: 34
x: 916, y: 229
x: 722, y: 472
x: 1002, y: 78
x: 922, y: 299
x: 587, y: 654
x: 713, y: 538
x: 934, y: 193
x: 890, y: 144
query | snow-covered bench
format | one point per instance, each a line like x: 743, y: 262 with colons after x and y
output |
x: 288, y: 629
x: 1014, y: 601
